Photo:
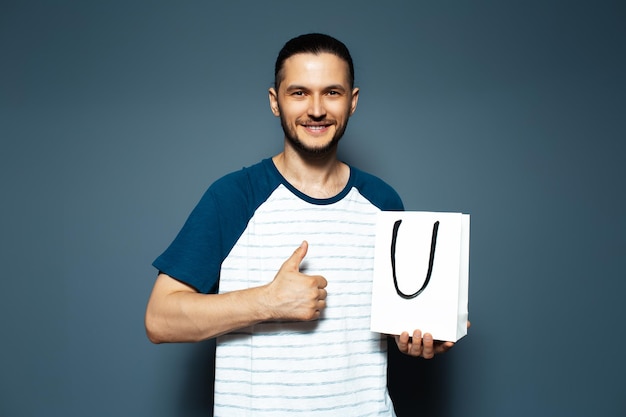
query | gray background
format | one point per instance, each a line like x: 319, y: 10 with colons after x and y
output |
x: 115, y: 116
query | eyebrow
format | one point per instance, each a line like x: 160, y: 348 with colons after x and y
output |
x: 302, y: 87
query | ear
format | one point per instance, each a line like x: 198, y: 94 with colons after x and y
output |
x: 355, y: 100
x: 273, y: 96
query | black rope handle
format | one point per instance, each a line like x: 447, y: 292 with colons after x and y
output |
x: 433, y: 244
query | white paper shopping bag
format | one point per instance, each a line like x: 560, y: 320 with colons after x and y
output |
x: 421, y: 274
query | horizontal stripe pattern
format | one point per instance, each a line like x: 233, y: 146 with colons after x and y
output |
x: 332, y: 366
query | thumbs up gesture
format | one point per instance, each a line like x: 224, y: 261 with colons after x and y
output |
x: 293, y: 295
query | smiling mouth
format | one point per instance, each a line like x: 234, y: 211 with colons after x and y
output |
x: 317, y: 126
x: 316, y: 130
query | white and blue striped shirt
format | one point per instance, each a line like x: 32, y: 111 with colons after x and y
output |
x: 247, y: 224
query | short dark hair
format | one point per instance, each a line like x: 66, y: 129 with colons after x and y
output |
x: 313, y: 43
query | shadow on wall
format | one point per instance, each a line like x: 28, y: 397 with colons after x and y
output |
x: 417, y: 386
x: 196, y: 394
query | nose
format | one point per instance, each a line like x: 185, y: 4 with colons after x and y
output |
x: 316, y: 107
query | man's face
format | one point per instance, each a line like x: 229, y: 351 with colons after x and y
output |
x: 314, y: 101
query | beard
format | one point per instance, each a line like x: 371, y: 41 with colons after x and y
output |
x: 292, y: 136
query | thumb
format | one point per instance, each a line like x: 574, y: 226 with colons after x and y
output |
x: 297, y: 256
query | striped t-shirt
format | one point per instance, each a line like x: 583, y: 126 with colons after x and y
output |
x: 245, y: 226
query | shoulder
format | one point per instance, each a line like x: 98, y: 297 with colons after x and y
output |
x: 377, y: 191
x: 233, y: 198
x: 249, y: 185
x: 214, y: 225
x: 246, y: 176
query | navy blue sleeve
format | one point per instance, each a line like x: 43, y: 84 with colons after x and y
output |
x: 195, y: 255
x: 214, y: 226
x: 377, y: 191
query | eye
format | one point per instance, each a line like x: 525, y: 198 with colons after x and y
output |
x: 333, y: 93
x: 297, y: 93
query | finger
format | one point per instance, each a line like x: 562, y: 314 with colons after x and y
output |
x: 402, y: 341
x: 322, y: 282
x: 293, y: 263
x: 428, y: 348
x: 416, y: 344
x: 442, y: 347
x: 322, y: 294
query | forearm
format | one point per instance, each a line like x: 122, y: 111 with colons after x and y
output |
x: 179, y: 315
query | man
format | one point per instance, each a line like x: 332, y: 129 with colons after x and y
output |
x: 277, y: 261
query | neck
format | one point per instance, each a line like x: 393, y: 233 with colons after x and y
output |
x: 316, y: 176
